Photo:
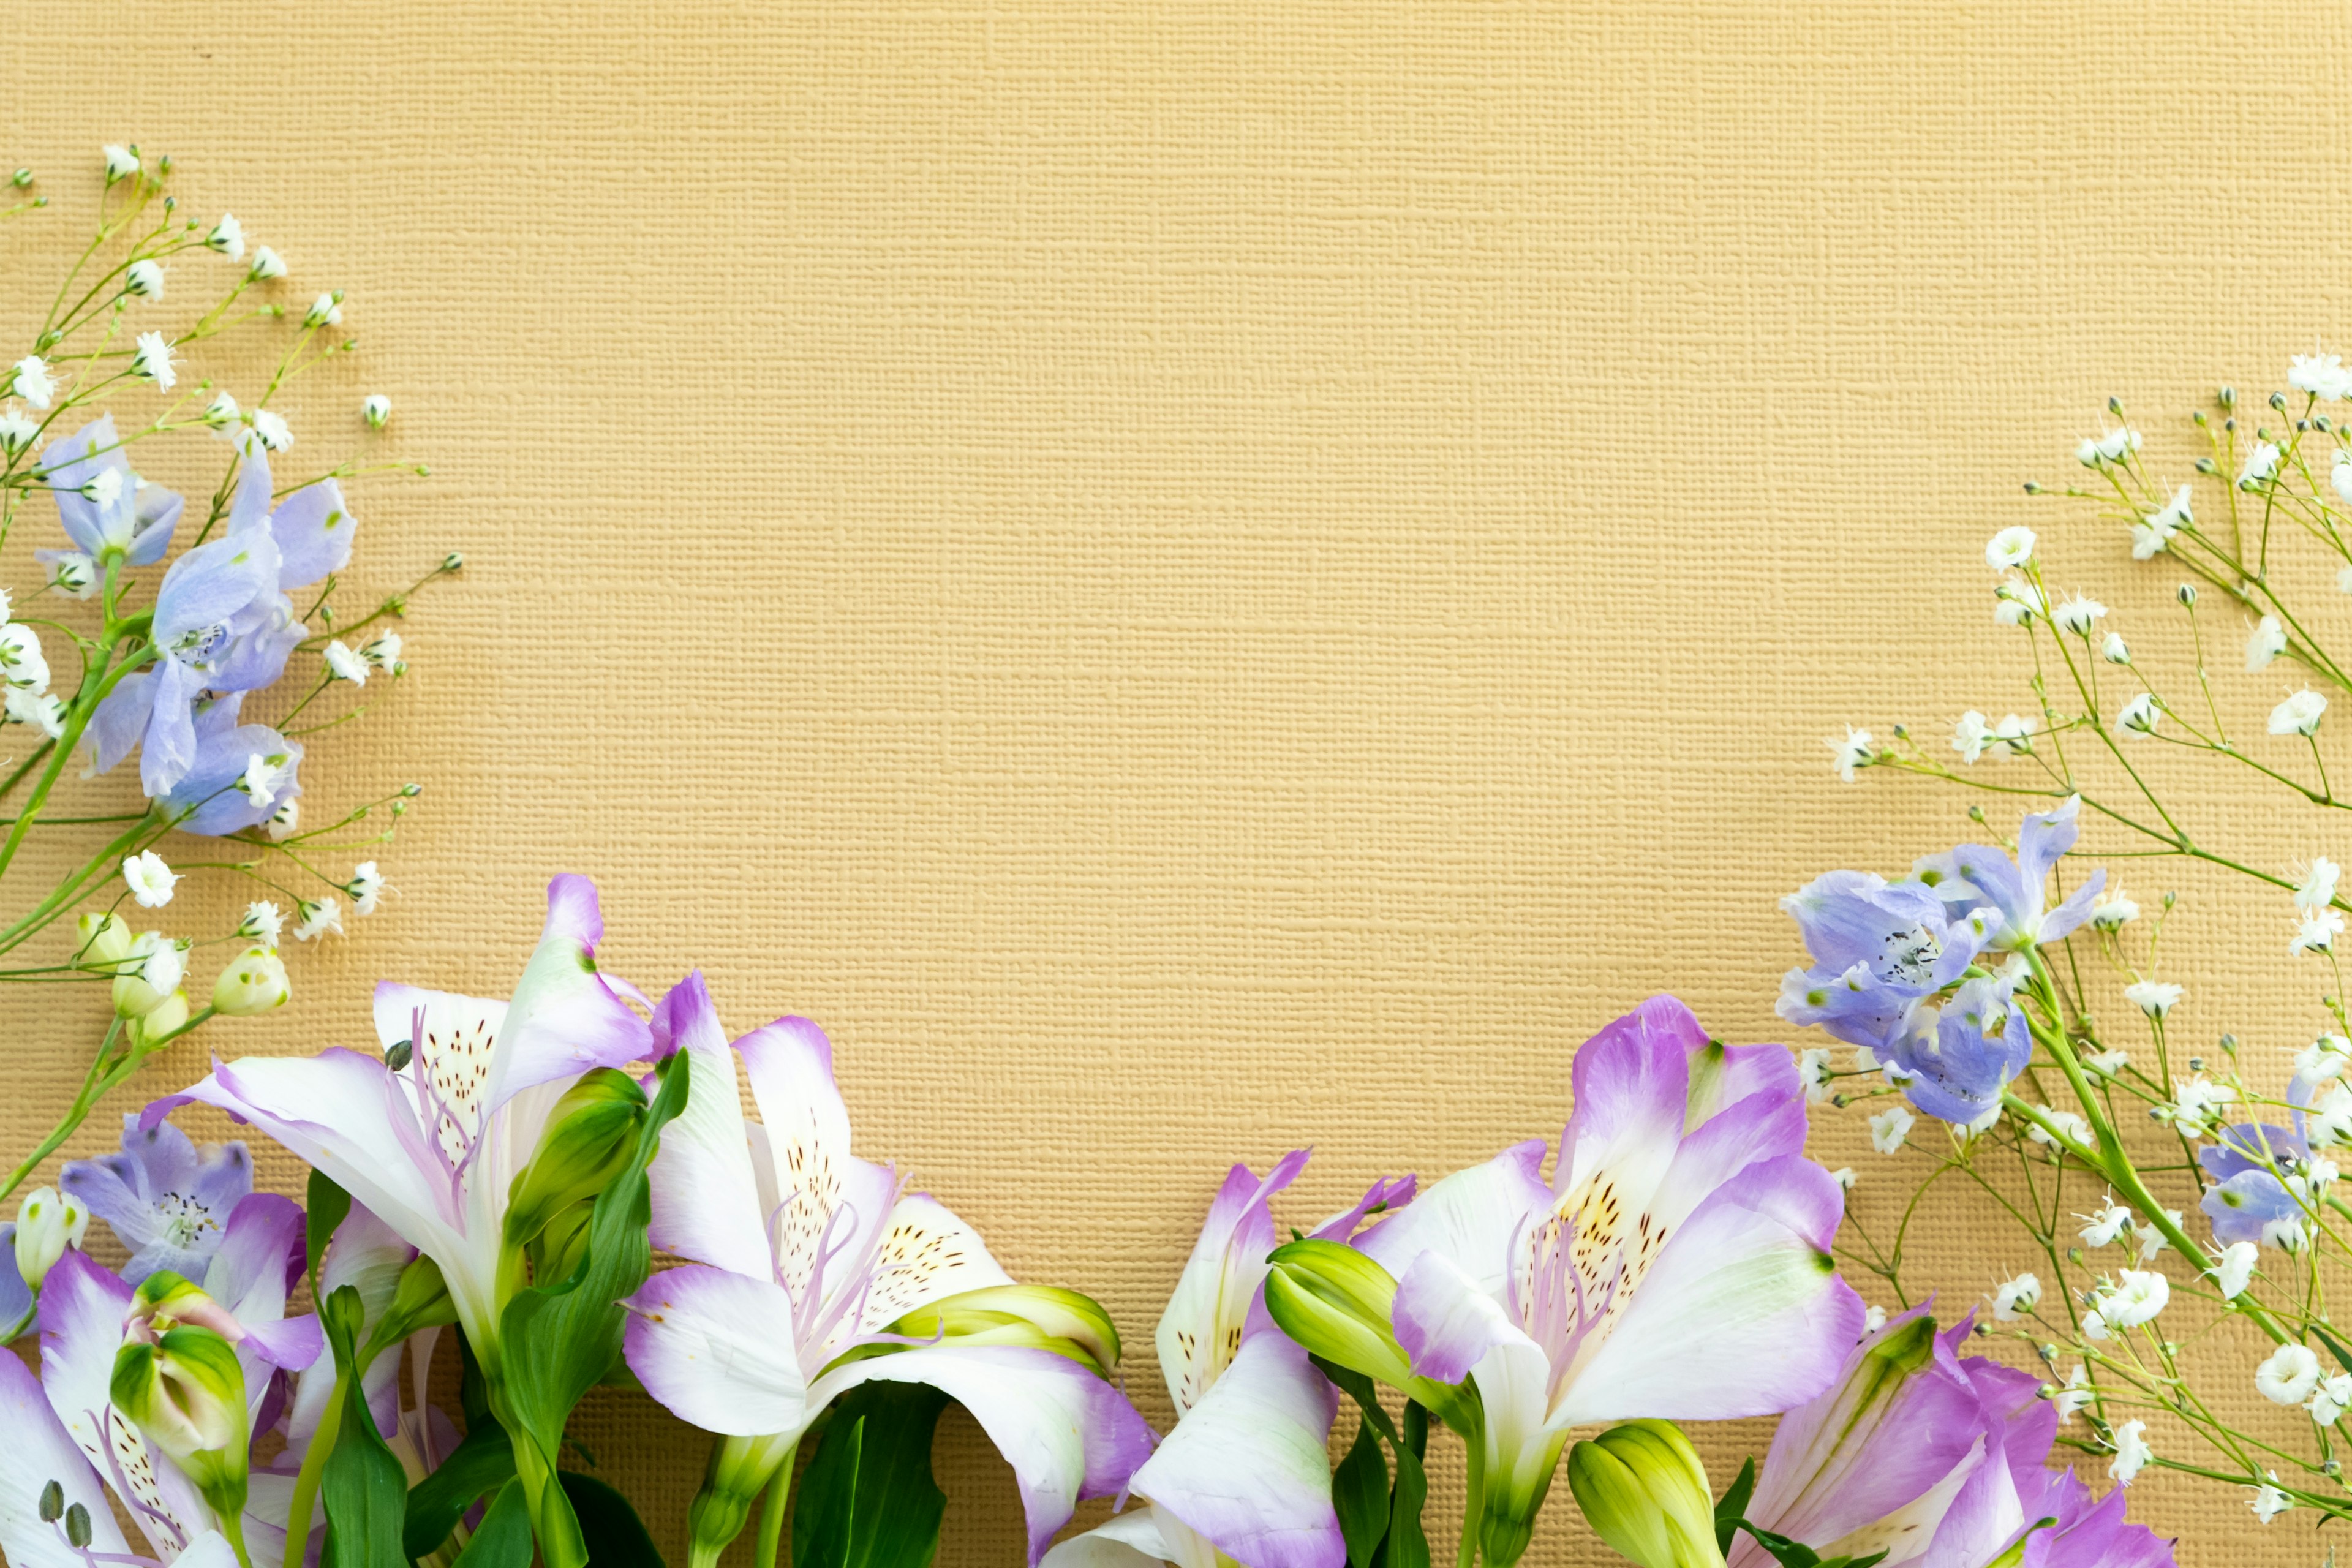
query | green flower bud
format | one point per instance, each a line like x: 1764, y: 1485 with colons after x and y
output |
x: 105, y: 941
x: 1339, y: 1304
x: 47, y: 1224
x: 590, y: 1136
x: 252, y: 982
x: 186, y: 1392
x: 1644, y: 1491
x: 162, y: 1019
x: 421, y: 1300
x: 1040, y: 1316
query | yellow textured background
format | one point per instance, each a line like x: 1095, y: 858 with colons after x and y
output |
x: 1196, y: 578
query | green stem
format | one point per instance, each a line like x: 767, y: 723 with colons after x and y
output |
x: 314, y: 1464
x: 84, y: 1099
x: 773, y: 1550
x: 1474, y: 1502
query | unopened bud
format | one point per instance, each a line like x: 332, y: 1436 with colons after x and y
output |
x: 105, y: 941
x: 376, y: 409
x: 588, y: 1137
x: 1040, y: 1316
x: 251, y: 984
x: 142, y: 986
x: 167, y: 1018
x: 186, y: 1392
x: 1644, y: 1489
x: 48, y: 1222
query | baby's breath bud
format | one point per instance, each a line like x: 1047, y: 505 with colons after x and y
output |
x: 326, y: 311
x: 2032, y: 488
x: 145, y: 279
x: 376, y: 409
x: 2189, y: 595
x: 452, y: 562
x: 2116, y: 407
x: 1976, y: 814
x: 2278, y: 401
x: 2196, y: 1064
x: 2230, y: 1044
x: 2334, y: 1467
x: 2227, y: 397
x: 21, y: 178
x: 2171, y: 898
x: 2197, y: 417
x: 2207, y: 465
x: 411, y: 790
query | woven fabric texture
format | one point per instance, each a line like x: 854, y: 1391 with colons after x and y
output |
x: 1198, y: 579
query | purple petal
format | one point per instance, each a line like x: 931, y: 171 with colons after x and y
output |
x: 1216, y: 1291
x: 1444, y: 1322
x: 155, y: 514
x: 706, y: 1196
x: 2043, y: 837
x: 120, y: 719
x: 313, y: 529
x: 715, y: 1350
x: 1470, y: 1216
x: 169, y: 744
x: 291, y: 1342
x: 563, y: 1019
x: 211, y: 583
x: 1897, y: 929
x: 1247, y: 1467
x: 39, y: 1452
x: 248, y: 1274
x: 1383, y: 1197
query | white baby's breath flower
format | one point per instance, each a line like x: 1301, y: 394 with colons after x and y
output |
x: 2333, y: 1397
x: 1971, y: 735
x: 2015, y: 602
x: 2114, y: 909
x: 44, y: 710
x: 2069, y: 1124
x: 1853, y: 752
x: 1813, y: 1072
x: 260, y: 779
x: 1864, y: 1060
x: 2013, y: 1299
x: 326, y: 311
x: 1872, y: 1320
x: 2138, y: 716
x: 152, y: 360
x: 2317, y: 933
x: 375, y: 408
x: 383, y: 650
x: 2268, y: 1502
x: 18, y: 429
x: 121, y: 162
x: 263, y: 921
x: 319, y: 916
x: 2266, y: 642
x: 2321, y: 374
x: 345, y: 665
x: 284, y: 822
x: 1845, y: 1177
x: 21, y: 665
x: 2152, y: 534
x: 2199, y: 1106
x: 2325, y: 1060
x: 1889, y: 1127
x: 2112, y: 1220
x: 33, y: 381
x: 2136, y: 1298
x: 2115, y: 650
x: 2289, y: 1375
x: 149, y: 879
x: 2234, y: 1269
x: 145, y: 279
x: 2078, y: 615
x: 2132, y: 1452
x: 73, y: 574
x: 2262, y: 464
x: 2318, y: 888
x: 2076, y: 1394
x: 2009, y: 548
x: 2107, y: 446
x: 221, y: 412
x: 227, y: 238
x: 270, y: 430
x: 2153, y: 998
x: 367, y: 886
x: 267, y: 263
x: 2299, y: 714
x: 2110, y: 1064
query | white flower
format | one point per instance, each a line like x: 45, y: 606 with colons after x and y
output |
x: 2114, y: 909
x: 375, y: 408
x: 21, y: 663
x: 270, y: 429
x: 2335, y: 1397
x: 267, y: 263
x: 383, y: 652
x: 152, y: 360
x: 2013, y: 1299
x: 121, y: 162
x: 2010, y: 547
x: 1853, y: 752
x: 166, y: 962
x: 2318, y: 1175
x: 2015, y: 602
x: 1971, y: 735
x: 2234, y: 1269
x: 2199, y: 1106
x: 2268, y: 1502
x: 33, y: 381
x: 260, y: 778
x: 2076, y: 1394
x: 1896, y: 1075
x: 366, y: 887
x: 2132, y: 1452
x: 18, y: 429
x: 2341, y: 478
x: 2328, y: 1122
x: 263, y: 921
x: 2322, y: 375
x: 2115, y: 650
x: 46, y: 712
x: 150, y: 880
x: 221, y: 412
x: 73, y: 572
x: 2261, y: 464
x: 2316, y: 933
x: 2153, y: 998
x: 2107, y: 1225
x: 2343, y: 578
x: 1845, y: 1177
x: 1889, y: 1127
x: 2290, y: 1376
x: 1873, y: 1320
x: 319, y: 916
x: 345, y: 665
x: 1864, y: 1060
x: 2299, y: 714
x: 2078, y: 615
x: 145, y: 279
x: 285, y: 821
x: 2139, y: 715
x: 227, y: 238
x: 2268, y: 641
x: 2318, y: 889
x: 2287, y: 1234
x: 1813, y: 1070
x: 2110, y: 1063
x: 2067, y: 1122
x: 2112, y: 445
x: 326, y: 311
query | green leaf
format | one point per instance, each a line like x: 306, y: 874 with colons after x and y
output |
x: 561, y: 1338
x: 503, y: 1538
x: 328, y: 1204
x: 1402, y: 1544
x: 484, y: 1461
x: 2337, y: 1350
x: 616, y: 1537
x: 363, y: 1484
x: 1733, y: 1504
x: 1359, y: 1494
x: 867, y: 1499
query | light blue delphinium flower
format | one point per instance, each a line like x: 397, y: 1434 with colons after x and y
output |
x: 164, y: 1198
x: 241, y: 773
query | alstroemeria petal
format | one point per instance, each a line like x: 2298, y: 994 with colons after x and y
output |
x: 806, y: 1128
x: 39, y: 1452
x: 1248, y: 1467
x: 1136, y: 1538
x: 716, y: 1350
x: 927, y: 1253
x: 1470, y: 1216
x: 1444, y: 1322
x: 565, y: 1018
x: 1742, y: 1314
x: 1207, y: 1311
x: 706, y: 1198
x: 1067, y: 1432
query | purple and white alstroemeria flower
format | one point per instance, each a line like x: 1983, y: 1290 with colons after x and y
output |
x: 1937, y: 1462
x: 84, y: 1316
x: 1677, y: 1265
x: 1246, y: 1475
x: 40, y: 1451
x: 104, y: 507
x: 1976, y: 874
x: 164, y: 1198
x: 805, y: 1253
x: 432, y: 1148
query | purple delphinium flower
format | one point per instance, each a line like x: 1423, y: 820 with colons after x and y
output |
x: 1977, y: 1042
x: 1937, y: 1461
x: 102, y: 504
x: 2248, y: 1201
x: 218, y: 795
x: 1974, y: 875
x: 166, y: 1199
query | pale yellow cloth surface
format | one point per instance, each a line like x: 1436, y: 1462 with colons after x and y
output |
x: 1194, y: 579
